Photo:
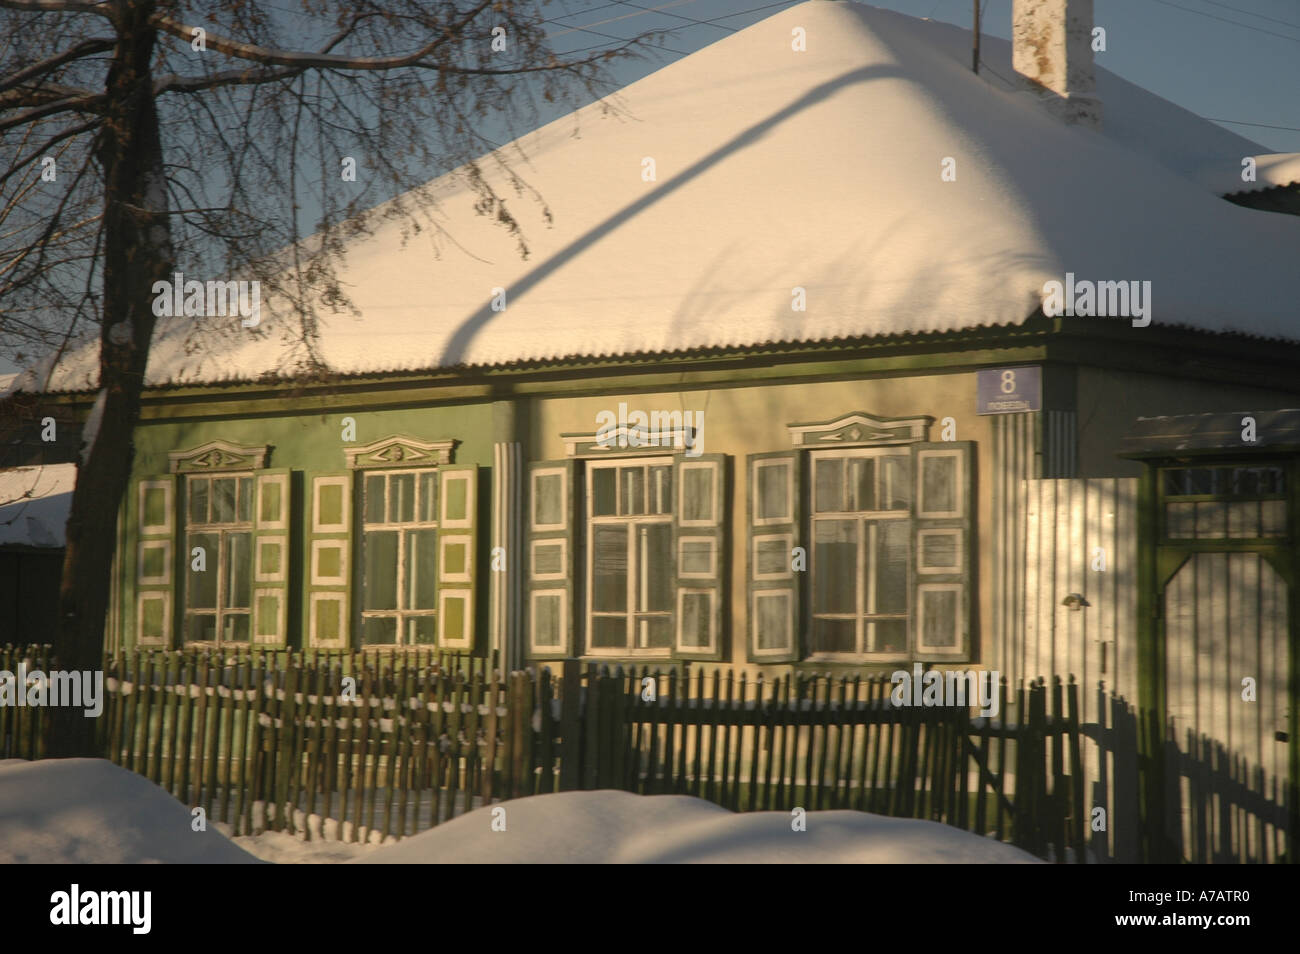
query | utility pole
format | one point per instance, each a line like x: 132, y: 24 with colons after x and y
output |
x: 975, y: 53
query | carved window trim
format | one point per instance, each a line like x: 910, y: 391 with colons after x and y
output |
x: 219, y: 457
x: 397, y: 450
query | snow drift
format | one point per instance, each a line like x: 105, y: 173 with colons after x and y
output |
x: 618, y: 827
x: 90, y: 811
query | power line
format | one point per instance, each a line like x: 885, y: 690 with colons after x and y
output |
x: 1251, y: 14
x: 1244, y: 26
x: 1238, y: 122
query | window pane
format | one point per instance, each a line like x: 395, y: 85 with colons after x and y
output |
x: 773, y: 491
x: 428, y: 497
x: 862, y: 480
x: 239, y: 559
x: 661, y: 490
x: 604, y: 492
x: 201, y: 585
x: 829, y: 483
x: 421, y: 571
x: 939, y: 615
x: 609, y: 585
x: 198, y: 487
x: 895, y: 483
x: 939, y: 484
x: 835, y: 566
x: 695, y: 619
x: 609, y: 632
x: 893, y: 539
x: 401, y: 498
x: 234, y: 628
x: 245, y: 499
x: 773, y: 621
x: 421, y: 630
x: 380, y: 581
x: 200, y: 628
x: 375, y: 505
x: 548, y: 506
x: 697, y: 494
x: 223, y: 500
x: 834, y: 636
x: 888, y: 635
x: 377, y: 630
x: 655, y: 585
x: 631, y: 490
x: 654, y: 632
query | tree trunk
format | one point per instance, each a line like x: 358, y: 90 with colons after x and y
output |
x: 137, y: 253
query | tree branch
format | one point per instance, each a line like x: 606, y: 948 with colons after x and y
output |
x: 84, y: 48
x: 336, y: 61
x: 103, y: 9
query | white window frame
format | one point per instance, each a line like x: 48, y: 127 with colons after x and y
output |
x: 402, y: 614
x: 223, y: 532
x: 635, y: 569
x: 866, y: 521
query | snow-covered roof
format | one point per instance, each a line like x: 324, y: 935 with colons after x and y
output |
x: 777, y: 169
x: 34, y: 504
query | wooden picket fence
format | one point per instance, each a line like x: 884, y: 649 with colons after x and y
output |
x: 374, y: 745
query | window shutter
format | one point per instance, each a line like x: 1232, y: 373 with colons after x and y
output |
x: 941, y: 548
x: 271, y: 512
x: 156, y: 562
x: 329, y: 560
x: 552, y: 560
x: 700, y: 519
x: 774, y: 521
x: 457, y: 552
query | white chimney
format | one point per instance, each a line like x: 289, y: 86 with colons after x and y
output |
x: 1052, y: 51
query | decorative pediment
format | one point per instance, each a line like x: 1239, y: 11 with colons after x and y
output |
x: 398, y: 451
x: 860, y: 429
x: 217, y: 456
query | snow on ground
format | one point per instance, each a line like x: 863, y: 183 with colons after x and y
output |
x: 34, y: 504
x: 90, y: 811
x: 619, y: 827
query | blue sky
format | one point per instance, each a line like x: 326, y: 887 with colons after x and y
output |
x: 1222, y: 59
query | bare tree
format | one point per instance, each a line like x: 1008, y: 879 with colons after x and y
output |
x: 143, y: 137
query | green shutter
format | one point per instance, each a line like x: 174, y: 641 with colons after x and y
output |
x: 552, y: 560
x: 156, y: 561
x: 328, y: 561
x: 942, y: 550
x: 271, y: 558
x: 774, y: 514
x: 699, y: 519
x: 457, y: 556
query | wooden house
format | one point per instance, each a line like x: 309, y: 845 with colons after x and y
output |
x: 781, y: 384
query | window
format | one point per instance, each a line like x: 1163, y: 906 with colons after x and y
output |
x: 630, y: 556
x: 399, y: 558
x: 1221, y: 502
x: 861, y: 551
x: 218, y: 558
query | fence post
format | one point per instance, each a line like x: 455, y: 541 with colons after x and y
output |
x: 571, y: 726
